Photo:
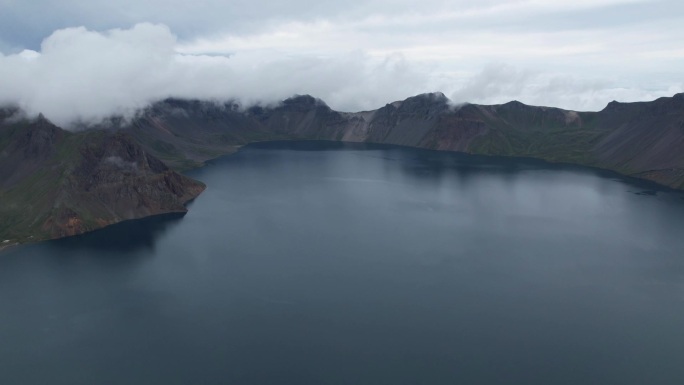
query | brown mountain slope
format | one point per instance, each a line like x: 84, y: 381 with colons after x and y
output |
x: 646, y: 139
x: 54, y: 183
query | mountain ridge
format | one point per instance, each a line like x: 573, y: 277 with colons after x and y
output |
x: 431, y: 121
x: 100, y: 165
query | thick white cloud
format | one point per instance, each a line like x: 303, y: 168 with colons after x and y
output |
x: 354, y: 55
x: 86, y: 75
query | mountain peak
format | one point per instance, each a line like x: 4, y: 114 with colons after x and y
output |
x: 515, y: 104
x: 306, y: 100
x: 612, y: 105
x: 432, y: 96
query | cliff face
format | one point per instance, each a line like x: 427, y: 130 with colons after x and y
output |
x: 54, y: 183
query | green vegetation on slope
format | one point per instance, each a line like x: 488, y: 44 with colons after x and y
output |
x: 56, y: 183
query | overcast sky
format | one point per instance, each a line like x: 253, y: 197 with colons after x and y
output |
x: 87, y: 59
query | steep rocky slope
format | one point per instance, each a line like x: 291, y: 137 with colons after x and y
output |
x: 646, y: 139
x: 54, y: 183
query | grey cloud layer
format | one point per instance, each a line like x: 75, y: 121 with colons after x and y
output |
x: 23, y: 24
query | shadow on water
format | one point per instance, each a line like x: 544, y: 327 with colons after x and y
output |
x: 124, y: 237
x: 430, y: 163
x: 314, y: 145
x: 433, y: 167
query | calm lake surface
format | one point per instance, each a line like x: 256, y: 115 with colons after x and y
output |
x: 329, y: 263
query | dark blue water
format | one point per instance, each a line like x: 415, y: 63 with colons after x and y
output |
x: 319, y: 263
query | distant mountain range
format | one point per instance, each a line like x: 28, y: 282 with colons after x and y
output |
x: 55, y: 183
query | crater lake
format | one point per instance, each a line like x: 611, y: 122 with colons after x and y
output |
x: 331, y: 263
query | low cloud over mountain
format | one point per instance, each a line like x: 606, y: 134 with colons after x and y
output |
x: 359, y: 56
